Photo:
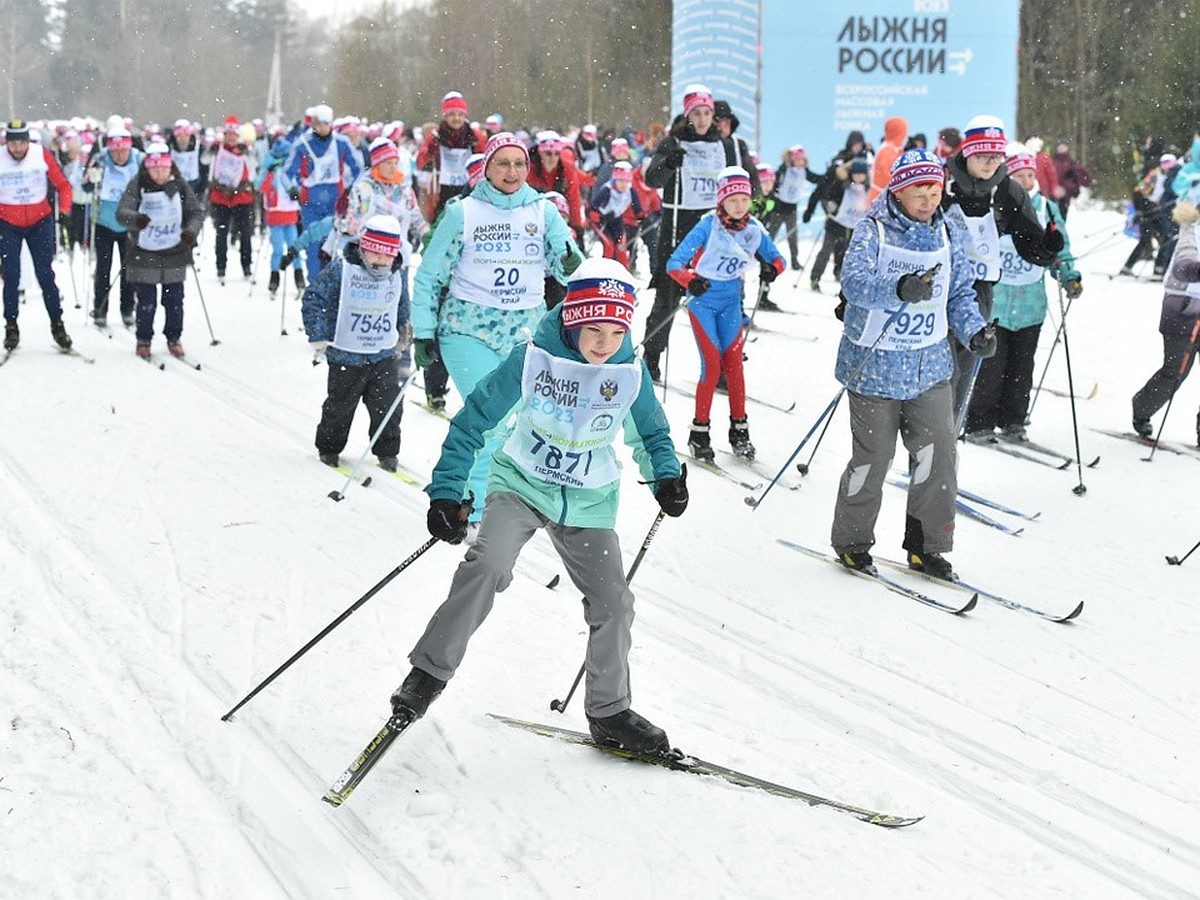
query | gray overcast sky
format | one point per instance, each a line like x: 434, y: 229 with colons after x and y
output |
x: 337, y: 11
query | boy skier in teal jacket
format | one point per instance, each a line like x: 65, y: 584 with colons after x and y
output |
x: 571, y: 389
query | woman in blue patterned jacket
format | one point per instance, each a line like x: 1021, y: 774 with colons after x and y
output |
x: 906, y: 285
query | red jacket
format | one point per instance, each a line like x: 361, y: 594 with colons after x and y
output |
x: 429, y: 155
x: 564, y: 179
x: 647, y: 196
x: 25, y: 214
x: 221, y: 195
x: 272, y: 198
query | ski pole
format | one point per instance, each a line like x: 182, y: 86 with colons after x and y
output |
x: 339, y: 496
x: 802, y: 468
x: 561, y: 705
x: 257, y: 261
x: 204, y: 306
x: 811, y: 250
x: 416, y: 554
x: 1046, y: 368
x: 837, y: 398
x: 1080, y: 489
x: 71, y: 269
x: 1183, y: 367
x: 960, y: 414
x: 282, y: 303
x: 1176, y: 561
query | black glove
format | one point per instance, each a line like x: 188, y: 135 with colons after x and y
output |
x: 446, y: 521
x: 64, y: 219
x: 289, y: 256
x: 294, y: 193
x: 1052, y: 239
x: 983, y: 344
x: 425, y: 352
x: 767, y: 273
x: 187, y: 239
x: 839, y: 311
x: 917, y: 287
x: 698, y: 285
x: 1074, y: 287
x: 807, y: 217
x: 141, y: 221
x: 672, y: 493
x: 674, y: 157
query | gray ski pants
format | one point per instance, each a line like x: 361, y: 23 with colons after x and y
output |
x: 592, y: 557
x: 926, y: 426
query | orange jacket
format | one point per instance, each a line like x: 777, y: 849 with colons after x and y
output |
x: 895, y: 133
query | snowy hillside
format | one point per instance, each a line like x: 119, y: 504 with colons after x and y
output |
x: 167, y: 541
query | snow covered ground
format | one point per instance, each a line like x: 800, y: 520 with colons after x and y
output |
x: 168, y: 541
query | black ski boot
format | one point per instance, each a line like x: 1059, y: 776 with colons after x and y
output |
x: 59, y: 333
x: 12, y: 334
x: 932, y: 564
x: 699, y: 442
x: 389, y: 463
x: 299, y: 273
x: 857, y: 560
x: 629, y: 731
x: 739, y: 438
x: 416, y: 693
x: 1144, y: 428
x: 273, y: 284
x: 437, y: 402
x: 330, y: 459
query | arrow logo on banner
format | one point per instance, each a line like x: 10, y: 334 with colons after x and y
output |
x: 959, y: 60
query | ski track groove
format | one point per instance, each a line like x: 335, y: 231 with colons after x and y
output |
x: 1027, y: 821
x: 72, y: 553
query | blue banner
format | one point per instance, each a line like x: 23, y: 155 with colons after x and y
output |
x: 715, y: 43
x: 830, y: 70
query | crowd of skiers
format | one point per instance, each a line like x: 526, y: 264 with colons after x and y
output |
x: 524, y: 299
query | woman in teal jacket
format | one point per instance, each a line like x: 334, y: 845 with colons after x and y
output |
x: 1001, y: 395
x: 492, y: 251
x: 569, y: 390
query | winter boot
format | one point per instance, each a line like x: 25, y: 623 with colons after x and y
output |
x: 1014, y: 434
x: 175, y: 348
x: 932, y: 564
x: 629, y: 731
x: 1141, y: 426
x: 330, y: 459
x: 12, y: 334
x: 858, y: 560
x: 143, y: 349
x: 221, y: 277
x: 416, y: 693
x: 59, y: 333
x: 766, y: 304
x: 796, y: 263
x: 981, y: 436
x: 739, y: 438
x: 699, y: 442
x: 128, y: 319
x: 388, y: 463
x: 815, y: 284
x: 299, y: 273
x: 273, y: 284
x: 436, y: 402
